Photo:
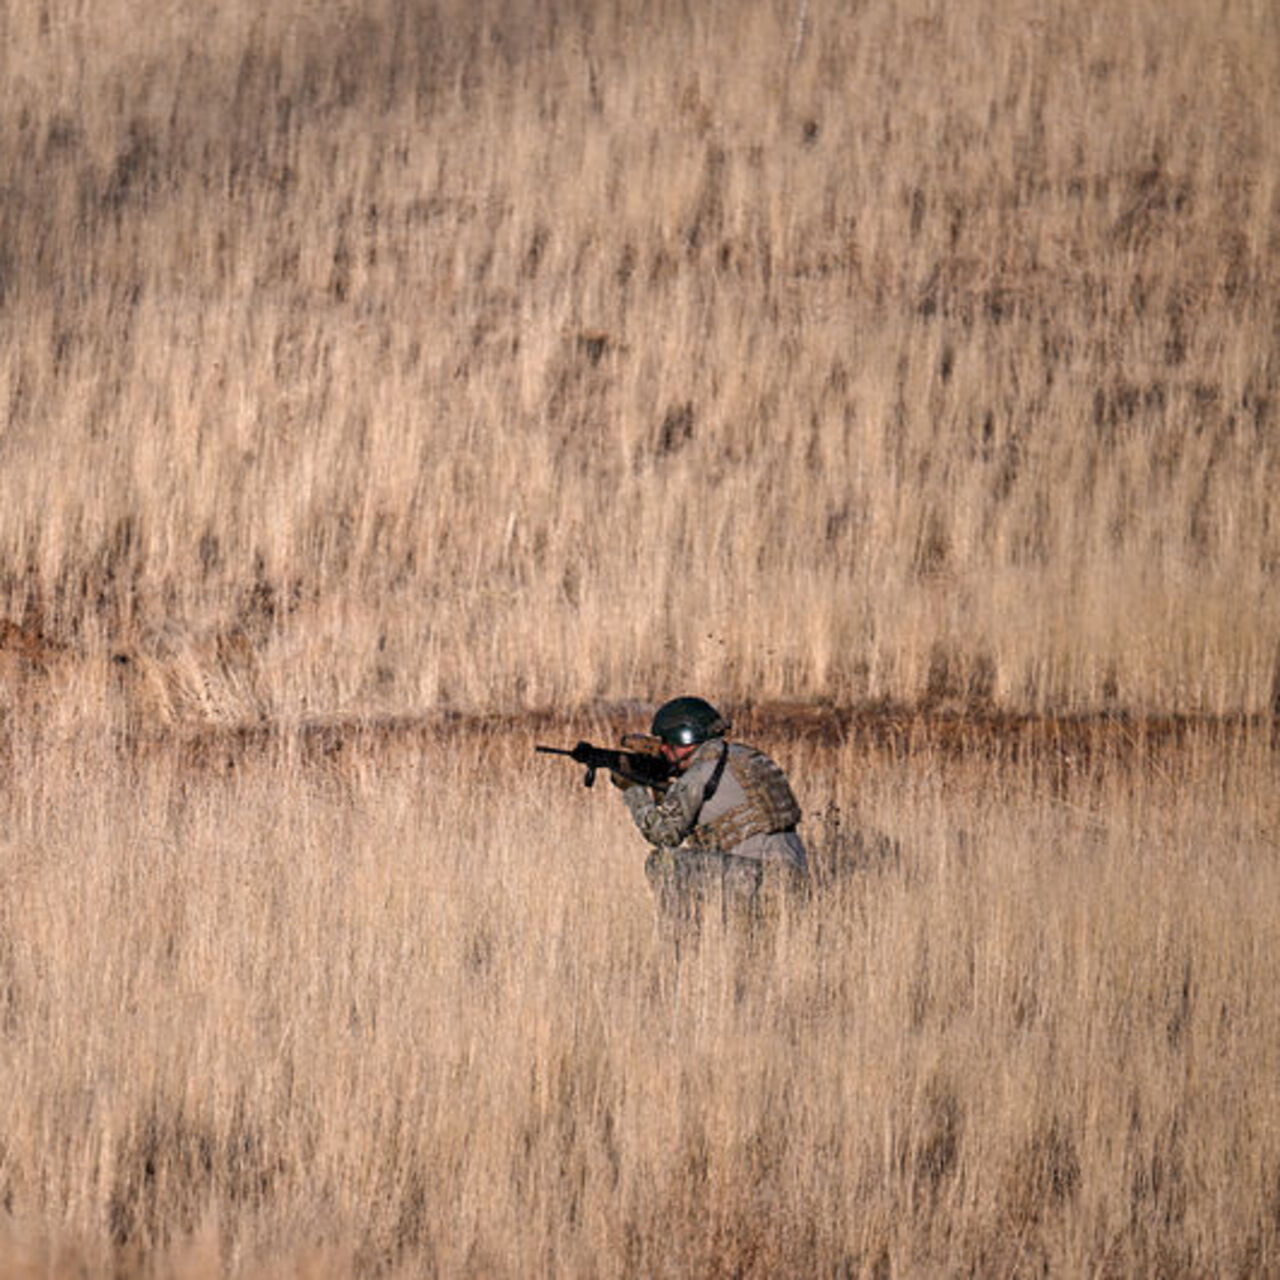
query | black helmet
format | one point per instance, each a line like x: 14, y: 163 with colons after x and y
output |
x: 684, y: 721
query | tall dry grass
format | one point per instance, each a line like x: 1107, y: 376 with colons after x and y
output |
x: 400, y: 1015
x: 368, y: 361
x: 419, y: 355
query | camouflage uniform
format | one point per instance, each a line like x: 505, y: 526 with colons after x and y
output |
x: 724, y: 831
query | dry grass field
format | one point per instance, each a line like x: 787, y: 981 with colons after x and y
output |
x: 403, y: 1011
x: 386, y: 386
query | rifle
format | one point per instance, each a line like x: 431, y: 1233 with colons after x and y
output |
x: 640, y: 760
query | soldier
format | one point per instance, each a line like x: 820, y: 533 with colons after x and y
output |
x: 724, y: 829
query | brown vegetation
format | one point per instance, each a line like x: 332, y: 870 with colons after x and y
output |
x: 438, y: 357
x: 385, y: 386
x: 404, y: 1011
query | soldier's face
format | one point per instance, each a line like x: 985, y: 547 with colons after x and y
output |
x: 679, y: 756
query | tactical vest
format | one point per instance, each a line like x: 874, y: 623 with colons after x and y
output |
x: 770, y: 805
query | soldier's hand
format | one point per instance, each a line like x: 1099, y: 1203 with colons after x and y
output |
x: 621, y: 781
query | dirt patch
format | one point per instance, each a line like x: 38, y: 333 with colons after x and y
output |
x: 26, y: 652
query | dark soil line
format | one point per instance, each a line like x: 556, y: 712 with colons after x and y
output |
x: 895, y: 731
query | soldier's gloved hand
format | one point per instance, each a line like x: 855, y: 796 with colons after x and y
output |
x: 620, y: 781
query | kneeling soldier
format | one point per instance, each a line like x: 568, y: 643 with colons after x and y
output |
x: 725, y: 827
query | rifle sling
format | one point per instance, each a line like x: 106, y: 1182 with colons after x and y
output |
x: 713, y: 782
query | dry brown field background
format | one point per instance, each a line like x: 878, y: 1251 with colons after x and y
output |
x: 385, y: 386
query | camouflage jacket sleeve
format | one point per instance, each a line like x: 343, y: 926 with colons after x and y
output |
x: 668, y: 821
